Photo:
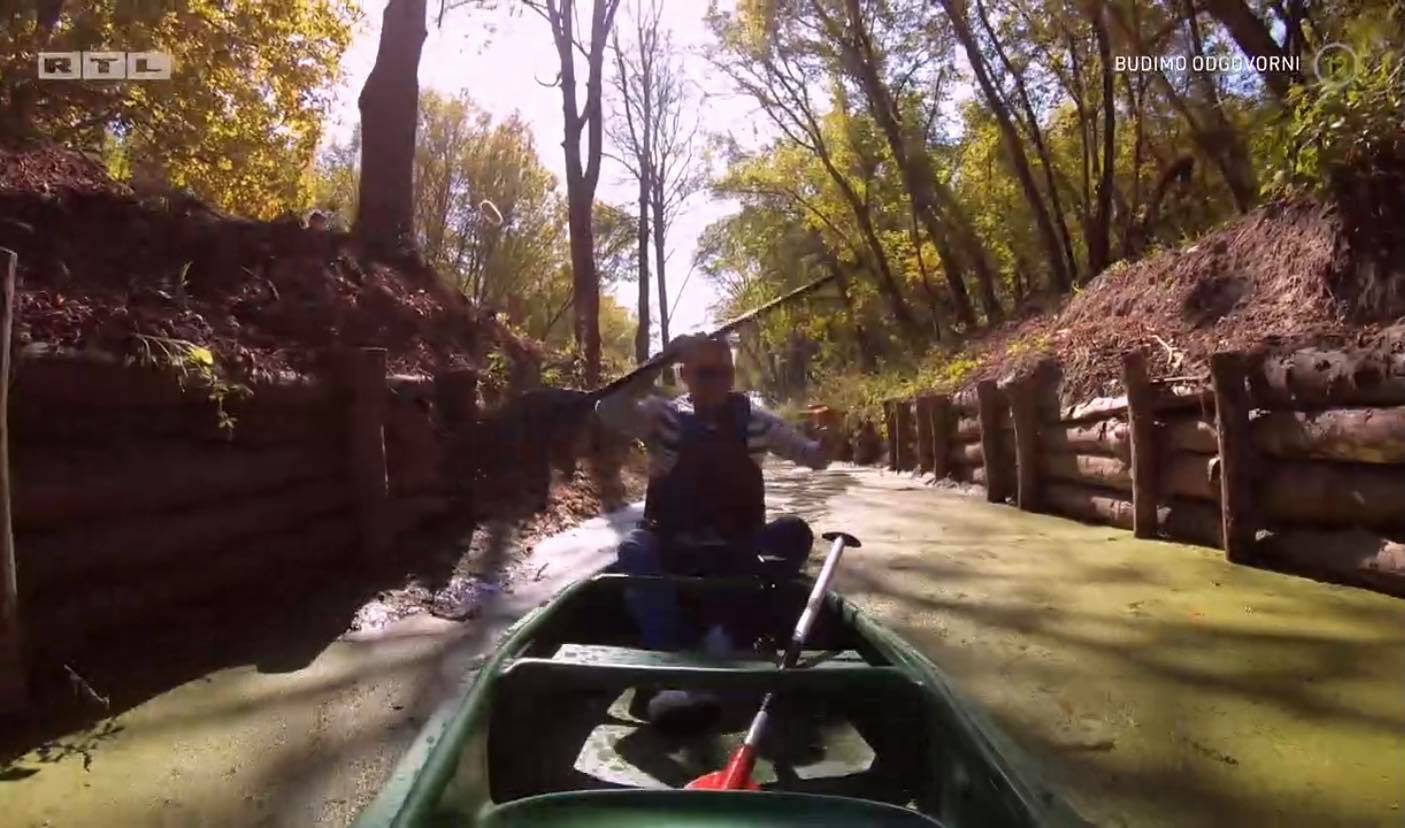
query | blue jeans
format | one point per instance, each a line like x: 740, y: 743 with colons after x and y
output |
x: 655, y: 609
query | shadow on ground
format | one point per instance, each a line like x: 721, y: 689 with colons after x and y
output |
x: 279, y: 626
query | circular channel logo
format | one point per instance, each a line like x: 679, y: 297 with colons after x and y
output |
x: 1335, y: 63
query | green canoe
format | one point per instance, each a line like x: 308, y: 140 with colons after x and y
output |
x: 868, y: 731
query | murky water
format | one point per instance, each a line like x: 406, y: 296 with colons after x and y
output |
x: 1157, y: 684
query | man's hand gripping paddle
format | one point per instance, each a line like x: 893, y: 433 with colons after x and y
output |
x: 737, y: 775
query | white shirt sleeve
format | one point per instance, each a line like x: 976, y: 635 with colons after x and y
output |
x: 783, y: 440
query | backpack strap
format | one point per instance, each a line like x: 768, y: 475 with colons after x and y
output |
x: 741, y: 416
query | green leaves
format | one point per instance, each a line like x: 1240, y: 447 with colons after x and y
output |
x: 239, y: 120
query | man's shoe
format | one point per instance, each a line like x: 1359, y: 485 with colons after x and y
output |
x: 684, y: 711
x: 717, y: 643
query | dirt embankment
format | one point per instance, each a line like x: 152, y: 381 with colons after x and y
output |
x: 101, y: 266
x: 1285, y: 276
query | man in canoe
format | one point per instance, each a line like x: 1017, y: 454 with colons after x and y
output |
x: 705, y: 507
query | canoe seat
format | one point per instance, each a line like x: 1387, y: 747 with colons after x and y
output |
x: 628, y: 656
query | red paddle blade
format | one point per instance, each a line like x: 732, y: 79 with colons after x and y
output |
x: 735, y: 777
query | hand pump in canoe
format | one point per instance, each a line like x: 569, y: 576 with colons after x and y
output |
x: 737, y: 775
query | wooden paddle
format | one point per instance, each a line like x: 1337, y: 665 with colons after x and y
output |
x: 736, y: 776
x: 670, y: 355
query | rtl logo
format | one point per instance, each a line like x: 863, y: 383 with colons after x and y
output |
x: 136, y: 66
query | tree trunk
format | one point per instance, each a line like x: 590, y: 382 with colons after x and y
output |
x: 659, y: 225
x: 1218, y: 143
x: 583, y: 170
x: 1036, y: 136
x: 1011, y: 137
x: 1254, y: 39
x: 1100, y: 226
x: 868, y: 354
x: 641, y: 333
x: 916, y: 172
x: 389, y: 105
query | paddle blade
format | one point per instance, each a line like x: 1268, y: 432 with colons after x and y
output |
x: 735, y: 777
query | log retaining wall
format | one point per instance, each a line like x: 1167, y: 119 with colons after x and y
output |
x: 131, y: 498
x: 1293, y: 461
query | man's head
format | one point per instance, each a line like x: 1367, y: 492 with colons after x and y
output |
x: 707, y: 371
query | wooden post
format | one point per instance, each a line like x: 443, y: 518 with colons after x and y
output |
x: 13, y: 670
x: 1024, y: 412
x: 902, y: 411
x: 890, y: 418
x: 939, y: 412
x: 997, y: 475
x: 1227, y: 373
x: 1142, y: 430
x: 456, y: 394
x: 456, y: 398
x: 366, y: 380
x: 923, y: 408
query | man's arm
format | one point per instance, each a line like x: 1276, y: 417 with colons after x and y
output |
x: 785, y: 441
x: 632, y: 411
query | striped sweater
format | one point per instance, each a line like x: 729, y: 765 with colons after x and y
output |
x: 654, y: 420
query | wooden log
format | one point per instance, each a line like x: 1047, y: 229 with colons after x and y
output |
x: 412, y: 387
x: 1356, y: 556
x: 112, y: 550
x: 1095, y: 409
x: 1142, y: 426
x: 410, y: 513
x: 1110, y: 437
x: 1191, y: 434
x: 64, y: 487
x: 1191, y: 475
x: 1364, y: 435
x: 906, y: 447
x: 1334, y: 494
x: 456, y: 396
x: 1164, y: 398
x: 366, y: 380
x: 70, y: 616
x: 940, y: 411
x: 1089, y: 504
x: 57, y: 376
x: 1316, y: 378
x: 253, y: 423
x: 14, y: 671
x: 966, y: 454
x: 890, y: 422
x: 1192, y: 521
x: 965, y: 401
x: 968, y: 430
x: 922, y: 410
x: 1024, y: 415
x: 867, y: 445
x: 1000, y: 474
x: 1237, y: 457
x: 413, y: 449
x: 1090, y: 469
x: 1178, y: 519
